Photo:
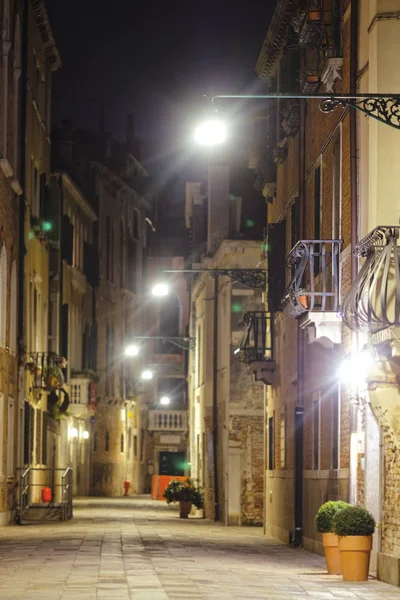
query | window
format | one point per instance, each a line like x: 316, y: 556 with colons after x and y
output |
x: 271, y: 457
x: 316, y: 430
x: 95, y: 442
x: 16, y: 95
x: 21, y: 433
x: 107, y: 442
x: 122, y: 443
x: 3, y: 296
x: 169, y: 319
x: 28, y: 433
x: 282, y: 432
x: 337, y: 185
x: 317, y: 213
x: 134, y: 446
x: 11, y: 438
x: 335, y: 427
x: 13, y: 310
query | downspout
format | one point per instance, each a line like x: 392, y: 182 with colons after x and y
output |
x: 215, y: 400
x: 22, y: 178
x: 297, y: 534
x: 353, y: 135
x: 354, y: 211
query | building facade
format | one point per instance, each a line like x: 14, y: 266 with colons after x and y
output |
x: 329, y: 436
x: 225, y: 403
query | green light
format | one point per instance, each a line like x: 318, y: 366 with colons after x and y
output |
x: 47, y: 226
x: 236, y: 307
x: 250, y: 223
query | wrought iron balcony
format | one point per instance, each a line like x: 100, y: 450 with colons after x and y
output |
x: 46, y: 369
x: 257, y: 346
x: 168, y: 420
x: 314, y: 284
x: 373, y: 302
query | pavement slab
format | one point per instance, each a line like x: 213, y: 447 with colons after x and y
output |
x: 139, y: 549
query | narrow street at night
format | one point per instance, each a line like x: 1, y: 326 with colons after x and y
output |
x: 138, y: 549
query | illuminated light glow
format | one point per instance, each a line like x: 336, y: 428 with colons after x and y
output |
x: 73, y: 432
x: 165, y: 400
x: 147, y: 374
x: 236, y: 351
x: 85, y: 435
x: 160, y: 290
x: 132, y: 350
x: 355, y: 369
x: 211, y: 133
x: 47, y: 226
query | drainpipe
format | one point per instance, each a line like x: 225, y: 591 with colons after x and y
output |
x: 353, y: 134
x: 215, y: 400
x: 22, y: 178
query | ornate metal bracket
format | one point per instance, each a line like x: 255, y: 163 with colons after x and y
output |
x: 252, y: 278
x: 185, y: 343
x: 383, y: 109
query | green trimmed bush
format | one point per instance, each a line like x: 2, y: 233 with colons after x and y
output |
x: 183, y: 490
x: 325, y: 514
x: 353, y: 520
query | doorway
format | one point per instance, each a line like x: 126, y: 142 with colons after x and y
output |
x: 172, y: 463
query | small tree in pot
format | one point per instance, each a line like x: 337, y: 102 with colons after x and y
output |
x: 323, y: 522
x: 186, y: 493
x: 354, y: 525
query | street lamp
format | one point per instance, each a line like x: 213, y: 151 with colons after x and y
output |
x: 355, y: 368
x: 211, y: 132
x: 160, y: 290
x: 147, y: 374
x: 132, y: 350
x: 165, y: 400
x: 385, y: 108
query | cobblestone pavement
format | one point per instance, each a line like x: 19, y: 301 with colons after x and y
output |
x: 135, y: 549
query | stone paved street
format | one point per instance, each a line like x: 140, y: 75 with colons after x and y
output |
x: 138, y: 549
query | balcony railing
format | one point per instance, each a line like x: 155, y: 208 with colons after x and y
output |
x: 314, y: 285
x: 258, y: 342
x: 373, y: 302
x: 168, y: 420
x: 46, y: 369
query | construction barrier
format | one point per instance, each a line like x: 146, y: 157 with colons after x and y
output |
x: 160, y: 482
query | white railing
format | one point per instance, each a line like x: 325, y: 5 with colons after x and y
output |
x: 168, y: 420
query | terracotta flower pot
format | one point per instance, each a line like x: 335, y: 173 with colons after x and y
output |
x: 355, y: 551
x: 184, y: 508
x: 312, y: 78
x: 303, y: 301
x: 332, y: 553
x: 314, y: 15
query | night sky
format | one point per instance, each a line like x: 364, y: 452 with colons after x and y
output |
x: 154, y: 59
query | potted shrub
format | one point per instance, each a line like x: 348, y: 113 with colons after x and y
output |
x: 314, y: 14
x: 354, y: 525
x: 186, y: 493
x: 53, y: 377
x: 330, y: 541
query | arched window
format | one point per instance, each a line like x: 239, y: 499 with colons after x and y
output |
x: 3, y: 296
x: 16, y: 96
x: 107, y: 442
x: 13, y: 310
x: 169, y: 320
x: 122, y: 442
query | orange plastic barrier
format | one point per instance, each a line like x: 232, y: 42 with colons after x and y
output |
x: 160, y: 482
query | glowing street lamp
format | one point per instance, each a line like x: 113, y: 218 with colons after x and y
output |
x: 165, y: 400
x: 147, y: 375
x: 160, y: 290
x: 132, y: 350
x: 355, y: 368
x: 211, y: 132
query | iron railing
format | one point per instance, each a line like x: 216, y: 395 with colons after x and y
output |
x: 314, y: 284
x: 258, y: 342
x: 33, y: 479
x: 373, y: 302
x: 46, y: 370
